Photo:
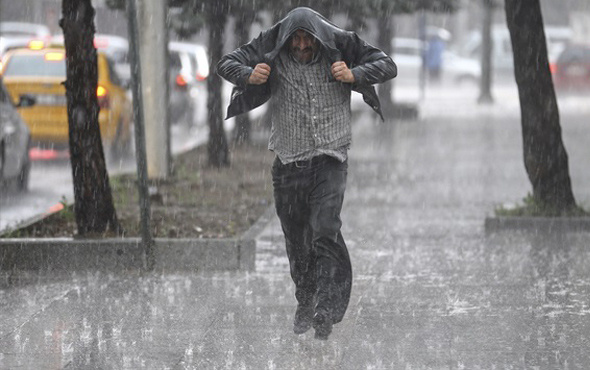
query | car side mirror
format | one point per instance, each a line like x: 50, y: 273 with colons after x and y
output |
x: 26, y: 100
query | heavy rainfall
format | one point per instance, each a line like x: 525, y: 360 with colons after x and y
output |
x: 138, y: 223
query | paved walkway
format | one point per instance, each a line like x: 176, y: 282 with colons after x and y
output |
x: 431, y: 290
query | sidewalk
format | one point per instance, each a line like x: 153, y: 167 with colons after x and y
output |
x: 430, y: 290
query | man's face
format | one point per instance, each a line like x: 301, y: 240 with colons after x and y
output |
x: 303, y: 46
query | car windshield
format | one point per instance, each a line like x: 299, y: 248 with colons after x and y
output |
x: 35, y: 65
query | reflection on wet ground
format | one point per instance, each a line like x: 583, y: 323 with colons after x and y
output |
x: 431, y: 290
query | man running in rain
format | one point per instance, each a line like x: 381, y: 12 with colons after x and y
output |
x: 308, y: 67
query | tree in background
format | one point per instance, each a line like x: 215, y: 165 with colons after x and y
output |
x: 216, y: 17
x: 545, y: 157
x: 94, y: 208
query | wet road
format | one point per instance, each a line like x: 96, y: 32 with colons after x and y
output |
x: 430, y: 291
x: 51, y: 180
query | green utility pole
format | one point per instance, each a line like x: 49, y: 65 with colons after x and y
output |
x: 140, y: 149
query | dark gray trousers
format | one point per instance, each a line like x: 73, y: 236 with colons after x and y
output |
x: 308, y: 199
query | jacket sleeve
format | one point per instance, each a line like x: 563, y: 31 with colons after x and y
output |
x: 237, y: 66
x: 369, y: 64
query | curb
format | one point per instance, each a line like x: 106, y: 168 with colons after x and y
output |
x: 48, y: 255
x: 537, y: 224
x: 44, y: 255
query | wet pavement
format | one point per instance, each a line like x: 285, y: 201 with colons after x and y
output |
x: 431, y: 290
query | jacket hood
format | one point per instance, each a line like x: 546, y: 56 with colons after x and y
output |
x: 310, y: 21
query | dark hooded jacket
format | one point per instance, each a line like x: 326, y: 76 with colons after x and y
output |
x: 368, y: 64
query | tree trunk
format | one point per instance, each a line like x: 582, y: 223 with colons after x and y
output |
x: 384, y: 43
x: 485, y: 95
x: 217, y: 146
x: 545, y: 157
x: 242, y: 34
x: 94, y: 208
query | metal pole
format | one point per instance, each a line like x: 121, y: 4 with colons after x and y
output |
x: 140, y: 150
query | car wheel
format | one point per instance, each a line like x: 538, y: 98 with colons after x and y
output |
x: 25, y: 173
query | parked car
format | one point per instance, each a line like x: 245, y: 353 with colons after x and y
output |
x: 189, y: 68
x: 502, y: 57
x: 41, y: 73
x: 460, y: 70
x: 195, y: 63
x: 407, y: 55
x: 571, y: 70
x: 15, y: 141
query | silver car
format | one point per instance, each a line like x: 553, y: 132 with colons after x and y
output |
x: 189, y: 69
x: 15, y: 142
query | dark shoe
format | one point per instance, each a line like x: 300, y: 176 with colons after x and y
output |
x: 303, y: 319
x: 322, y: 325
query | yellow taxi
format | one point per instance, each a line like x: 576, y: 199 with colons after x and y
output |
x: 40, y: 73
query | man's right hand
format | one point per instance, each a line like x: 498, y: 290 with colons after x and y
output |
x: 260, y: 74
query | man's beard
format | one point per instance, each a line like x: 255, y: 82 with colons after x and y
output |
x: 304, y: 55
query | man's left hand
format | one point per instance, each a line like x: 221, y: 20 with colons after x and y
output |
x: 342, y: 73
